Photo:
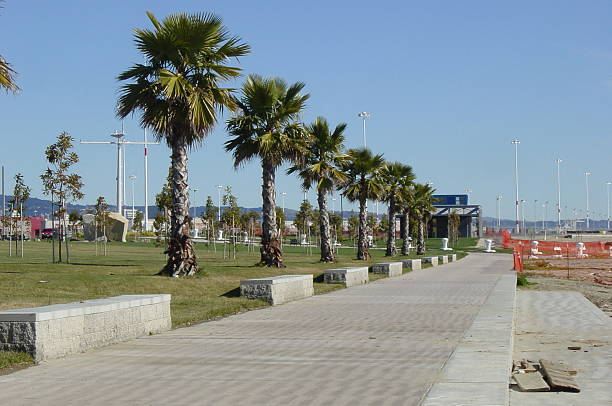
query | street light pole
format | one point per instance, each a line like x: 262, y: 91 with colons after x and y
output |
x: 535, y: 216
x: 219, y: 187
x: 365, y: 115
x: 608, y: 187
x: 499, y: 197
x: 516, y: 143
x: 523, y: 212
x: 586, y: 177
x: 133, y: 179
x: 558, y: 161
x: 195, y: 201
x: 283, y: 194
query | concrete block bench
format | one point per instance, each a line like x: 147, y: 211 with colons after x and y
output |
x: 278, y: 289
x: 430, y: 260
x: 58, y: 330
x: 349, y: 276
x: 442, y: 259
x: 390, y: 269
x: 412, y: 264
x: 452, y: 257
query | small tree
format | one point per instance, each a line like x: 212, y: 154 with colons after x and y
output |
x: 73, y: 218
x: 303, y: 217
x: 61, y: 184
x: 163, y: 201
x: 231, y: 213
x: 101, y: 220
x: 21, y: 193
x: 137, y: 222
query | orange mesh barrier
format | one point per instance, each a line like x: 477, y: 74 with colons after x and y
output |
x: 558, y: 249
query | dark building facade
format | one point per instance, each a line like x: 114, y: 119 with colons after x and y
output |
x: 470, y: 216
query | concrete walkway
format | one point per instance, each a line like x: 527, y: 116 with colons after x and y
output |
x: 549, y: 322
x: 382, y: 343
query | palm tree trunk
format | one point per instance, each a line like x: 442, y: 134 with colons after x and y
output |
x: 421, y: 238
x: 327, y: 255
x: 181, y: 255
x: 391, y: 250
x: 271, y: 251
x: 404, y: 226
x: 362, y: 244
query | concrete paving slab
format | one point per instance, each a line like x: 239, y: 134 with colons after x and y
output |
x: 384, y: 343
x: 549, y: 322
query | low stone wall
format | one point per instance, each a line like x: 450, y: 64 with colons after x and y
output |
x: 278, y: 289
x: 442, y: 259
x: 412, y: 264
x: 58, y: 330
x: 431, y: 260
x: 390, y: 269
x: 348, y: 276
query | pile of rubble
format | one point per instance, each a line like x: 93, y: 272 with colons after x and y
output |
x: 543, y: 376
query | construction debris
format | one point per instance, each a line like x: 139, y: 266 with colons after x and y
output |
x: 543, y: 376
x: 558, y: 376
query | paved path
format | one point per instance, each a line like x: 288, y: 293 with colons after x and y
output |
x: 376, y: 344
x: 549, y: 322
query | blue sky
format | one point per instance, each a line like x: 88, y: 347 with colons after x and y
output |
x: 449, y: 85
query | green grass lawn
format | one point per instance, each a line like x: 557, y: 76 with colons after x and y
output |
x: 130, y: 268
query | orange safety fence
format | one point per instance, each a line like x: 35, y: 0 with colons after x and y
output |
x: 558, y: 249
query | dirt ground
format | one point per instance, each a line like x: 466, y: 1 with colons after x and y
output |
x: 600, y: 295
x: 588, y: 269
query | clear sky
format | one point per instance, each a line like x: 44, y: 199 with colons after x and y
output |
x: 449, y: 84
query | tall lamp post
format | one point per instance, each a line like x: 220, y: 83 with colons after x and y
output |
x: 586, y: 177
x: 195, y: 201
x: 516, y: 143
x: 558, y: 161
x: 523, y: 212
x: 499, y: 198
x: 544, y: 217
x: 133, y: 179
x: 364, y: 115
x: 608, y: 192
x: 284, y: 194
x: 219, y: 187
x: 535, y: 216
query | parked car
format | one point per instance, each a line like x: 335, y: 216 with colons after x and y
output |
x: 47, y: 233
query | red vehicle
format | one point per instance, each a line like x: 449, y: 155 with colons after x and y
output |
x: 47, y: 233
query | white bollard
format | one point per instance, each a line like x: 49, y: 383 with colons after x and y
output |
x: 489, y: 246
x: 534, y: 250
x: 581, y: 250
x: 445, y: 245
x: 219, y: 234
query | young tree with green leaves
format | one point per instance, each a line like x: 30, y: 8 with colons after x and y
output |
x: 101, y: 220
x: 60, y: 183
x: 231, y: 212
x: 266, y: 128
x: 303, y: 217
x: 137, y: 222
x: 73, y: 218
x: 21, y: 193
x: 321, y: 169
x: 364, y: 183
x: 179, y: 94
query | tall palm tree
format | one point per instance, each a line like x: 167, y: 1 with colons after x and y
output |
x: 421, y: 208
x: 404, y: 205
x: 395, y: 176
x: 364, y: 183
x: 177, y: 90
x: 7, y: 75
x: 266, y: 128
x: 321, y: 165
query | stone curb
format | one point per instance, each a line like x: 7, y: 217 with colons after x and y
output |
x: 477, y: 373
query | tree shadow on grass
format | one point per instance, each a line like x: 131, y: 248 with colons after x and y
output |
x: 82, y: 264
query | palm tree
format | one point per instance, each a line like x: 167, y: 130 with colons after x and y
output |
x: 265, y: 128
x: 321, y: 168
x: 404, y: 206
x: 395, y: 176
x: 177, y: 90
x: 364, y: 183
x: 421, y: 208
x: 7, y: 79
